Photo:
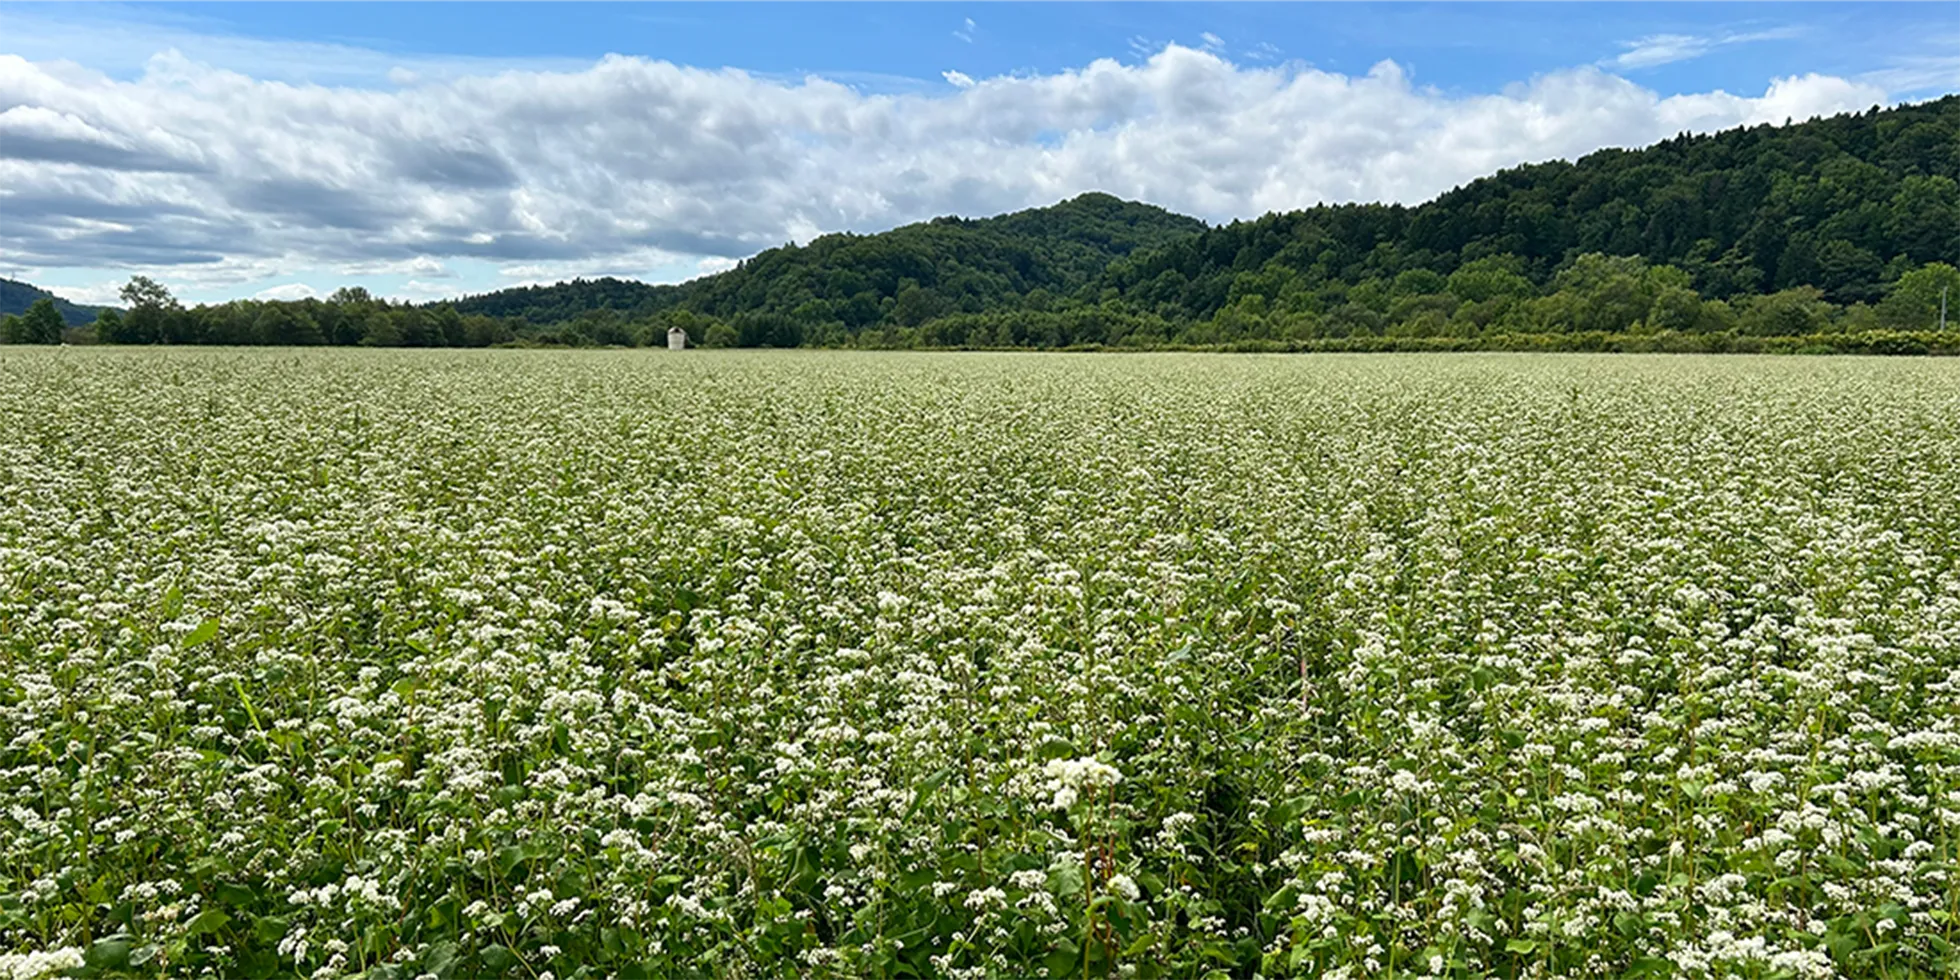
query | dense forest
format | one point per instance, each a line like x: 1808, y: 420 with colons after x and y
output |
x: 1833, y: 234
x: 839, y: 286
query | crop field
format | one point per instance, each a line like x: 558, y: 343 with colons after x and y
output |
x: 577, y: 664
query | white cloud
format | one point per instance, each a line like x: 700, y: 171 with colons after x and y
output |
x: 287, y: 291
x: 1263, y: 51
x: 643, y: 168
x: 100, y: 293
x: 1212, y: 41
x: 1661, y: 49
x: 417, y: 291
x: 421, y: 266
x: 1935, y: 70
x: 958, y: 79
x: 121, y: 39
x: 965, y: 33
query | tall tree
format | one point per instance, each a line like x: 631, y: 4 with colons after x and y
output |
x: 1913, y: 302
x: 41, y: 324
x: 152, y: 312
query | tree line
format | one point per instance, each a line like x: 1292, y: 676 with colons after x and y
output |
x: 1598, y: 302
x: 351, y: 316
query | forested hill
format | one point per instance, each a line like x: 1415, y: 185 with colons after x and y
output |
x: 905, y: 276
x: 564, y: 301
x: 17, y: 296
x: 1811, y: 226
x: 1845, y: 205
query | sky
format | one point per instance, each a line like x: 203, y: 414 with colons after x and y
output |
x: 282, y: 150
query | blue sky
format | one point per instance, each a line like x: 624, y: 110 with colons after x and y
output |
x: 391, y: 144
x: 1467, y: 47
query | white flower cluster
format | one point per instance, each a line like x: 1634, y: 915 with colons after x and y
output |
x: 1067, y: 778
x: 39, y: 965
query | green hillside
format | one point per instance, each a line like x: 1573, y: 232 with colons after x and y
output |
x: 1845, y: 205
x: 841, y: 284
x: 1761, y: 231
x: 17, y: 296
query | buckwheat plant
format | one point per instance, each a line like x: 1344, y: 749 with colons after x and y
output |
x: 741, y: 664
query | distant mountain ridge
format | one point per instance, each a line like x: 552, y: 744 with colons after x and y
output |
x: 911, y: 273
x: 1844, y: 204
x: 17, y: 296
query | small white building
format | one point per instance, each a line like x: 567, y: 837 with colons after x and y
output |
x: 676, y: 338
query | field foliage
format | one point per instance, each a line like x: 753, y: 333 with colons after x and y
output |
x: 741, y: 664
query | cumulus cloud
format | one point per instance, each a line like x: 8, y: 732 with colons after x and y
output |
x: 958, y: 79
x: 417, y: 291
x: 287, y: 291
x: 633, y: 164
x: 100, y: 293
x: 421, y: 267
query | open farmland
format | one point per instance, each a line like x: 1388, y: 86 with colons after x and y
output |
x: 526, y: 664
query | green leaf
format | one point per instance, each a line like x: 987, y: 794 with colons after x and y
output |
x: 1065, y: 959
x: 209, y: 920
x: 1629, y: 923
x: 1520, y: 946
x: 498, y: 958
x: 108, y: 954
x: 269, y: 929
x: 510, y: 857
x: 257, y: 963
x: 440, y: 959
x: 1649, y: 966
x: 204, y: 633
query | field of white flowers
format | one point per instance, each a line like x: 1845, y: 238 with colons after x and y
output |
x: 574, y: 664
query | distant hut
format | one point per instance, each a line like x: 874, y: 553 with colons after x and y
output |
x: 676, y: 338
